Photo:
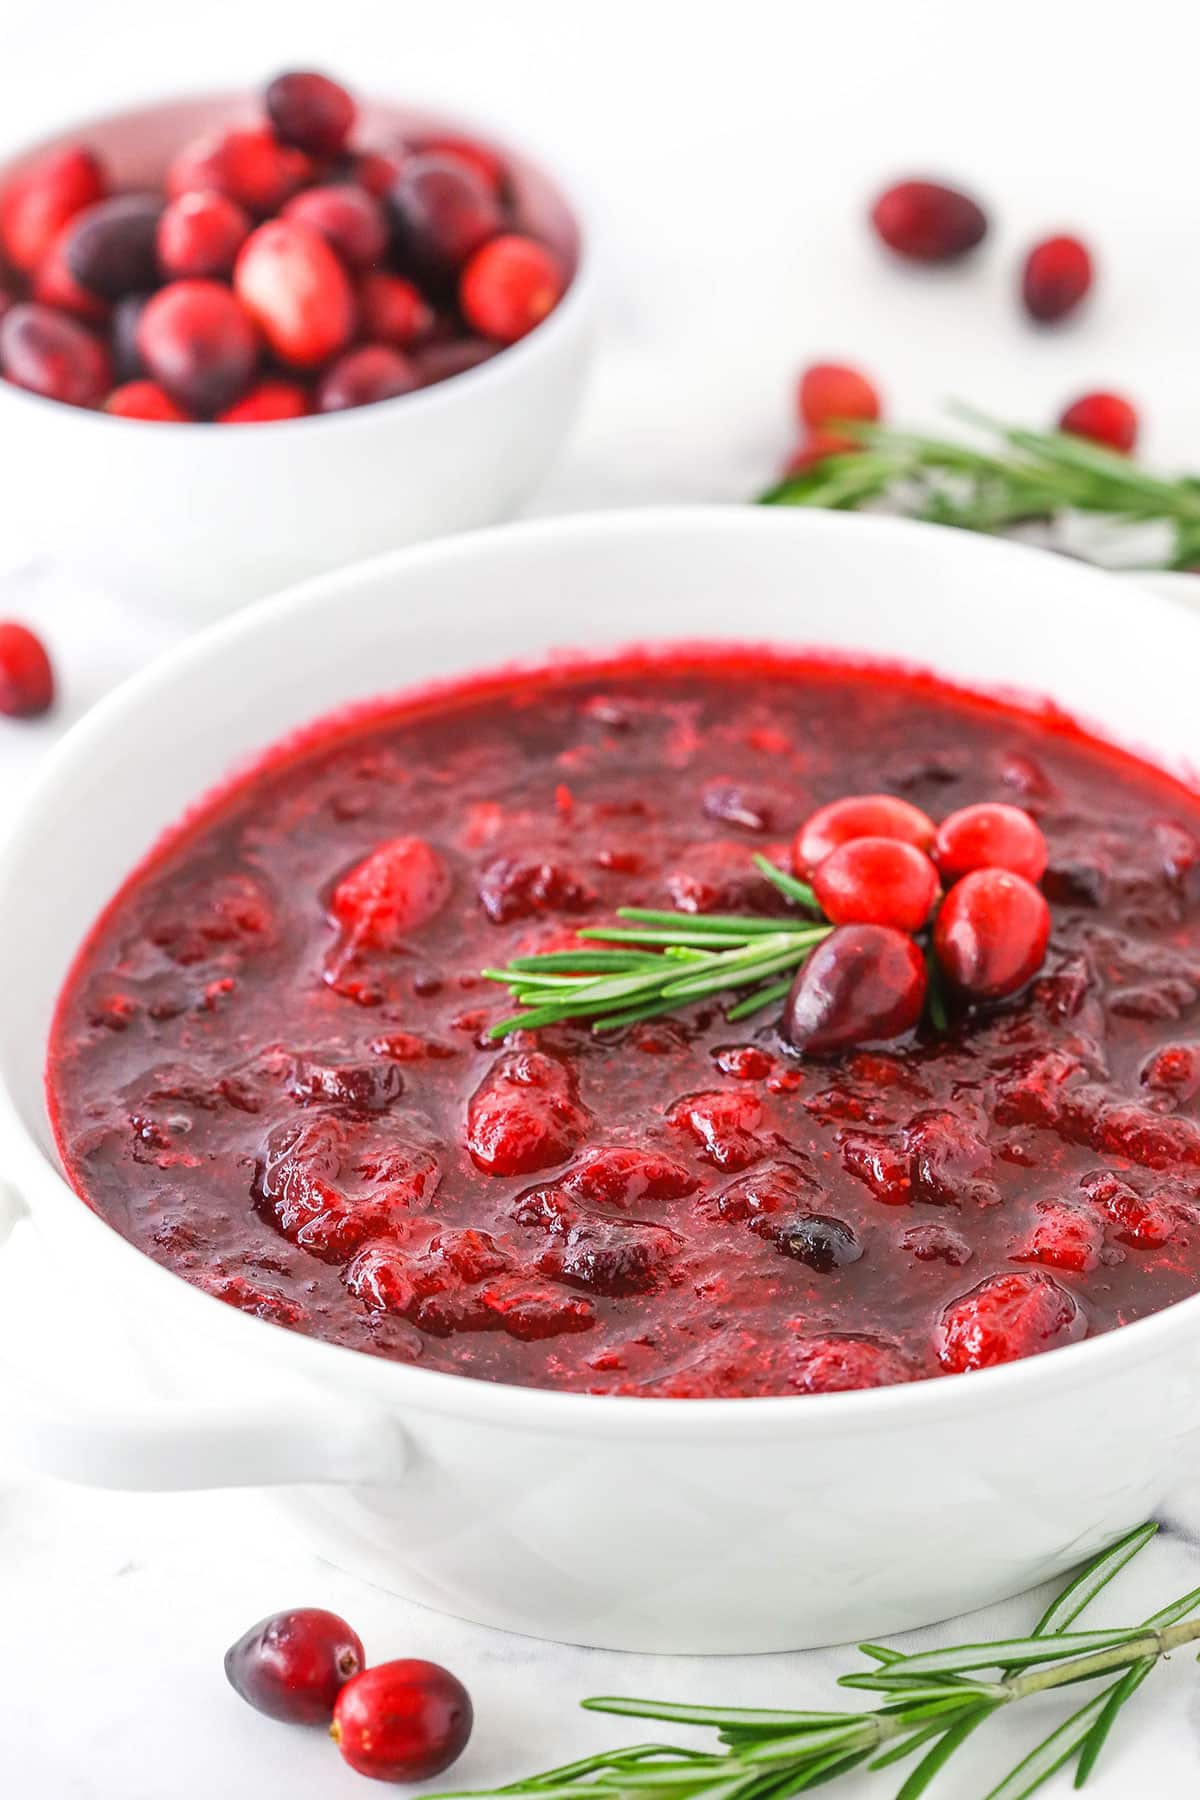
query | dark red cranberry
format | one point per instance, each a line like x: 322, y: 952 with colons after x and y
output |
x: 270, y: 400
x: 146, y: 400
x: 990, y: 835
x: 351, y: 221
x: 877, y: 881
x: 862, y: 984
x: 823, y: 1243
x: 373, y: 170
x: 110, y: 248
x: 438, y: 362
x: 1008, y: 1317
x: 443, y: 213
x: 927, y: 222
x: 26, y: 675
x: 54, y: 285
x: 196, y: 340
x: 1057, y: 275
x: 53, y: 355
x: 832, y: 391
x: 858, y: 816
x: 200, y: 234
x: 481, y: 161
x: 294, y: 1665
x: 838, y: 1365
x: 290, y: 281
x: 393, y: 311
x: 38, y: 202
x: 248, y: 165
x: 508, y: 287
x: 991, y: 933
x: 392, y: 892
x: 310, y: 111
x: 402, y: 1721
x: 123, y: 330
x: 1106, y: 419
x: 361, y: 377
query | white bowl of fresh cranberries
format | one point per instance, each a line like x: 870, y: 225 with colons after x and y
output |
x: 399, y: 305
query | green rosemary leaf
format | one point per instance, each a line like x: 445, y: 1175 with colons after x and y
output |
x: 582, y: 961
x: 633, y: 1015
x: 1171, y: 1615
x: 799, y: 891
x: 827, y: 1768
x: 1117, y: 1695
x: 1068, y: 1605
x: 1016, y: 1652
x: 718, y: 1717
x: 852, y: 1734
x: 941, y: 1752
x: 1049, y: 1756
x: 525, y: 1021
x: 678, y: 934
x: 717, y: 922
x: 881, y: 1654
x: 761, y: 997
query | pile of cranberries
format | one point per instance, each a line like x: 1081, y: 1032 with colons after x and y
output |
x: 882, y: 872
x: 396, y: 1721
x: 282, y: 269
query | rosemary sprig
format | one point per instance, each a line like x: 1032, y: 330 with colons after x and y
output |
x: 1029, y: 476
x: 666, y: 961
x: 935, y: 1698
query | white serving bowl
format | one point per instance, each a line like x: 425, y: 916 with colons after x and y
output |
x: 195, y: 519
x: 639, y: 1524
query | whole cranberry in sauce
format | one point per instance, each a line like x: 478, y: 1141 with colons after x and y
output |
x: 111, y: 248
x: 1006, y: 1317
x: 198, y: 342
x: 858, y: 816
x: 26, y: 674
x: 310, y: 111
x: 442, y: 213
x: 990, y: 835
x: 927, y: 222
x: 53, y: 355
x: 862, y: 984
x: 38, y: 202
x: 991, y: 933
x: 876, y: 881
x: 402, y: 1721
x: 293, y: 1665
x: 1056, y: 277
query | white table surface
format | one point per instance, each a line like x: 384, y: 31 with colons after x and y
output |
x: 726, y: 152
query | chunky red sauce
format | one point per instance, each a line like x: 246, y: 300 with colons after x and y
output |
x: 301, y: 1113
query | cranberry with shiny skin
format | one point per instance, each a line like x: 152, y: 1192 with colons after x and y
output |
x: 927, y: 222
x: 876, y: 881
x: 833, y: 391
x: 146, y: 400
x: 268, y: 401
x: 1007, y: 1317
x: 393, y: 311
x: 443, y: 213
x: 294, y: 1665
x: 200, y: 234
x: 111, y: 247
x: 38, y: 202
x: 293, y: 285
x: 862, y: 984
x: 508, y: 287
x: 991, y: 933
x: 351, y: 221
x: 310, y: 111
x: 402, y: 1721
x: 363, y: 376
x: 990, y: 835
x: 26, y: 674
x: 249, y: 165
x: 54, y: 285
x: 1106, y: 419
x: 1056, y: 277
x: 859, y: 816
x: 198, y: 342
x: 53, y: 355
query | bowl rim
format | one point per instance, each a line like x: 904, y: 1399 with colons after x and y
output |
x: 409, y: 1386
x: 506, y: 363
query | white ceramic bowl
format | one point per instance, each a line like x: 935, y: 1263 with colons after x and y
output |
x: 195, y: 519
x: 646, y: 1524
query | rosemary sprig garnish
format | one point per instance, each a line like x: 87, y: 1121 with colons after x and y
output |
x: 933, y: 1700
x: 667, y: 960
x: 1030, y: 476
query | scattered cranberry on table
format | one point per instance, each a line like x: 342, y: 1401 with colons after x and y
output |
x: 1107, y: 419
x: 402, y: 1721
x: 830, y: 392
x: 1056, y: 277
x: 26, y: 674
x: 294, y: 1664
x: 926, y: 222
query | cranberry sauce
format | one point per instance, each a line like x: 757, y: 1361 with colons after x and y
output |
x: 269, y: 1068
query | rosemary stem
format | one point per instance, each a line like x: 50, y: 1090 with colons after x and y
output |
x: 1099, y: 1662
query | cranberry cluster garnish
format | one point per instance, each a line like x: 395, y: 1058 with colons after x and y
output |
x: 280, y: 269
x: 396, y: 1721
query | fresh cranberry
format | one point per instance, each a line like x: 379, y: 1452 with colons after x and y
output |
x: 110, y: 248
x: 54, y: 285
x: 402, y: 1721
x: 1007, y: 1317
x: 372, y: 170
x: 862, y: 984
x: 859, y: 816
x: 351, y: 221
x: 391, y: 893
x: 269, y: 401
x: 146, y: 400
x: 438, y: 362
x: 293, y: 1665
x: 927, y: 222
x: 362, y: 376
x: 481, y: 161
x: 310, y: 111
x: 53, y: 355
x: 196, y: 340
x: 393, y: 311
x: 123, y: 330
x: 990, y: 835
x: 38, y: 202
x: 247, y: 165
x: 832, y: 391
x: 525, y: 1115
x: 1106, y: 419
x: 877, y: 881
x: 26, y: 675
x: 200, y: 234
x: 291, y: 282
x: 443, y: 213
x: 991, y: 933
x: 508, y: 287
x: 1057, y: 275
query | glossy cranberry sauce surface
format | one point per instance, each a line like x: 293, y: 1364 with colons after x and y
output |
x: 269, y: 1068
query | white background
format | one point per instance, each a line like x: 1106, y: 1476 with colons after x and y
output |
x: 726, y: 153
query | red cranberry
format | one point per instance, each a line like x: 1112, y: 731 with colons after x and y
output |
x: 1106, y: 419
x: 525, y: 1115
x: 248, y: 165
x: 110, y: 248
x: 877, y: 881
x: 294, y: 1665
x: 26, y: 677
x: 402, y: 1721
x: 146, y: 400
x: 814, y: 448
x: 38, y: 202
x: 54, y: 285
x: 1008, y: 1317
x: 838, y: 1365
x: 834, y: 391
x: 990, y: 835
x: 858, y: 816
x: 508, y: 287
x: 929, y: 223
x: 361, y: 377
x: 123, y: 330
x: 443, y: 214
x: 862, y: 984
x: 310, y: 111
x: 1057, y: 275
x: 291, y: 282
x: 200, y: 234
x: 438, y: 362
x: 351, y: 221
x: 270, y: 400
x: 991, y: 933
x: 395, y: 890
x: 53, y: 355
x: 196, y: 340
x: 372, y: 170
x: 481, y: 161
x: 393, y: 311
